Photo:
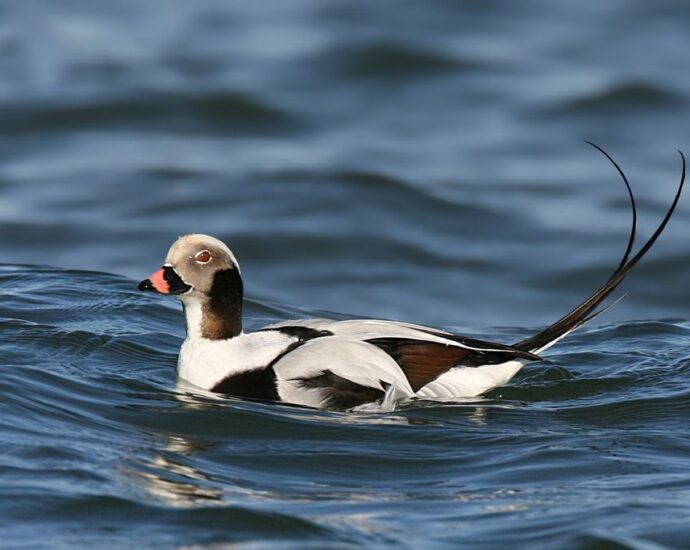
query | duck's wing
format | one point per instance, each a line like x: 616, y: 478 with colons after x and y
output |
x: 391, y: 334
x: 342, y: 364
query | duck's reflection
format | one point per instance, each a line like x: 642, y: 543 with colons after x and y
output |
x: 166, y: 473
x: 172, y: 471
x: 166, y: 476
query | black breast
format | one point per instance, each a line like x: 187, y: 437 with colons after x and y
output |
x: 261, y: 383
x: 251, y: 384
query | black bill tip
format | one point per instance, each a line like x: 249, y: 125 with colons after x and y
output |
x: 146, y: 284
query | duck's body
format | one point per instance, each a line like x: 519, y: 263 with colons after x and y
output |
x: 340, y: 364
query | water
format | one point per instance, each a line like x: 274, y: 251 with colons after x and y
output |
x: 399, y: 160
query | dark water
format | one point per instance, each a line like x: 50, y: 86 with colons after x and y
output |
x: 409, y: 160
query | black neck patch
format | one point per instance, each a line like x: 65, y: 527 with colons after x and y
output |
x: 222, y: 314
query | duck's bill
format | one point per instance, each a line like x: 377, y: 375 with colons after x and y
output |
x: 165, y: 281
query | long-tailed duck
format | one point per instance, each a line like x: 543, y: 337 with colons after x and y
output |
x: 343, y: 364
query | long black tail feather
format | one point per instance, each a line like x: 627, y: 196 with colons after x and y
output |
x: 586, y: 310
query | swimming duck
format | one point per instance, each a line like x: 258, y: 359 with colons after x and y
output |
x: 323, y: 363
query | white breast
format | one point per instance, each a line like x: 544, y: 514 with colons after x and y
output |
x: 205, y: 363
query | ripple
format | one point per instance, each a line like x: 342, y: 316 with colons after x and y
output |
x: 146, y: 110
x: 95, y: 426
x: 631, y: 96
x: 403, y: 160
x: 231, y: 523
x: 391, y: 60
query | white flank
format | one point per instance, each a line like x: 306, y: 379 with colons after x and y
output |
x: 461, y: 382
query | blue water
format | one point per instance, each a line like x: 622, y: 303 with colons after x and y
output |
x: 406, y: 160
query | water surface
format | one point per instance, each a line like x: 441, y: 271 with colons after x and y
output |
x: 395, y: 160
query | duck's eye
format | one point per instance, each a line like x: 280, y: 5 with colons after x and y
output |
x: 203, y: 257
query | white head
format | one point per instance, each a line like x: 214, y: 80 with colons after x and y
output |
x: 203, y: 272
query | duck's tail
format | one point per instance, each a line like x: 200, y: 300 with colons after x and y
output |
x: 587, y: 310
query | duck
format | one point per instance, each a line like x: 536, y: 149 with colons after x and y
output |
x: 345, y: 364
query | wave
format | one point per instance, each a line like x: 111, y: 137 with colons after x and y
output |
x: 625, y: 96
x: 94, y: 425
x: 386, y: 60
x: 218, y: 112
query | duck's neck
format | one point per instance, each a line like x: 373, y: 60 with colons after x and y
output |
x: 218, y: 315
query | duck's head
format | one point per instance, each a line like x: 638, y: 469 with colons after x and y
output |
x: 203, y: 272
